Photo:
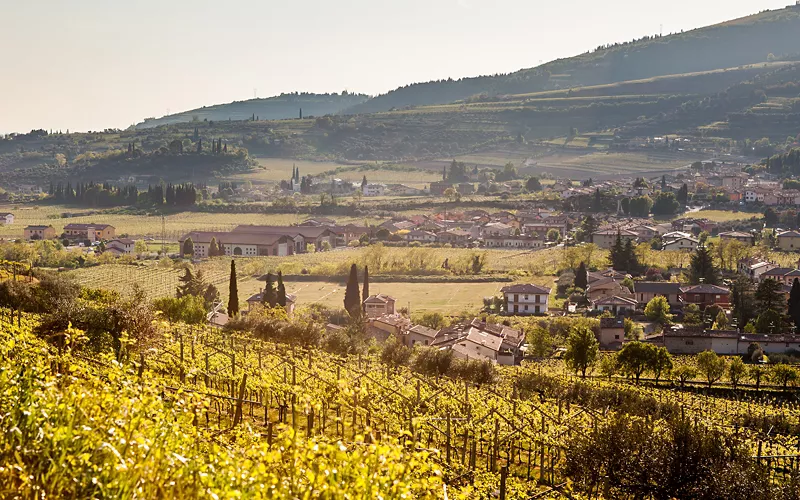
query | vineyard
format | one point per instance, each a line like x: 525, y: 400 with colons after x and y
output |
x: 228, y: 415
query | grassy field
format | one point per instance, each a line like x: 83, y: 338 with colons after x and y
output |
x: 723, y: 215
x: 158, y: 280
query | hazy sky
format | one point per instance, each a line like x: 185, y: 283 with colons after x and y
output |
x: 92, y: 64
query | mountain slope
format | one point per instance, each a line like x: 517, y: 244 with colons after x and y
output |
x: 272, y: 108
x: 738, y: 42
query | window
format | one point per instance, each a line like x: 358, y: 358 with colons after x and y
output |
x: 690, y: 342
x: 526, y: 297
x: 526, y: 307
x: 616, y: 337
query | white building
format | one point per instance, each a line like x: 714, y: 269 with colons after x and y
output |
x: 373, y: 189
x: 123, y: 245
x: 681, y: 244
x: 6, y: 218
x: 525, y: 299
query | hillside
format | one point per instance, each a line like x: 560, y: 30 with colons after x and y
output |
x: 739, y: 42
x: 272, y: 108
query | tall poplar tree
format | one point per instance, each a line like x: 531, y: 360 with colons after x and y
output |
x: 269, y: 297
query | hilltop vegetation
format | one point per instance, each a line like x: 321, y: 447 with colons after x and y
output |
x: 272, y: 108
x: 740, y: 42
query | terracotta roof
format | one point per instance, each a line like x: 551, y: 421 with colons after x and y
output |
x: 704, y: 288
x: 290, y: 297
x: 485, y: 339
x: 380, y: 298
x: 525, y: 288
x: 778, y: 271
x: 656, y: 287
x: 87, y: 226
x: 424, y: 331
x: 615, y: 300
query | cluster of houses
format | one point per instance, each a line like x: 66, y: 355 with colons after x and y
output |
x: 607, y: 293
x: 503, y: 229
x: 476, y: 339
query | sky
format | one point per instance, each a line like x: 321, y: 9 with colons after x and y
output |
x: 95, y: 64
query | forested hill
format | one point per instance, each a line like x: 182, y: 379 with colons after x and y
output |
x: 748, y: 40
x: 272, y: 108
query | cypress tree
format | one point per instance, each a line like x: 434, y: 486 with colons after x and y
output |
x: 365, y: 293
x: 581, y: 277
x: 281, y: 291
x: 616, y: 254
x: 233, y: 292
x: 794, y: 302
x: 352, y: 302
x: 188, y: 247
x: 268, y: 297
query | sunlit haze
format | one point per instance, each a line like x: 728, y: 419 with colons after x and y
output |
x: 93, y: 64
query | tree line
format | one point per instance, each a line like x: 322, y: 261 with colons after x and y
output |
x: 93, y: 195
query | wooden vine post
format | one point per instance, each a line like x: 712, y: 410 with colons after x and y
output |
x: 237, y: 418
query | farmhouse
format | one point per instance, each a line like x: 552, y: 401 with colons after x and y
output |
x: 455, y: 237
x: 121, y: 245
x: 32, y: 233
x: 754, y: 268
x: 526, y: 299
x: 789, y: 240
x: 606, y: 287
x: 256, y: 300
x: 608, y: 237
x: 615, y: 304
x: 419, y: 335
x: 374, y: 189
x: 612, y: 333
x: 645, y: 291
x: 242, y: 244
x: 746, y: 238
x: 91, y: 232
x: 6, y: 218
x: 688, y: 244
x: 379, y: 305
x: 423, y: 236
x: 512, y: 242
x: 706, y: 295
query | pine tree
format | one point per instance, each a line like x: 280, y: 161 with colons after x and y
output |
x: 352, y: 301
x: 233, y: 292
x: 664, y: 181
x: 365, y: 292
x: 185, y: 284
x: 281, y: 291
x: 701, y: 265
x: 581, y: 277
x: 744, y: 308
x: 364, y: 182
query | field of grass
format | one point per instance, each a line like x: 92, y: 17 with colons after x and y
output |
x: 724, y: 215
x: 157, y: 280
